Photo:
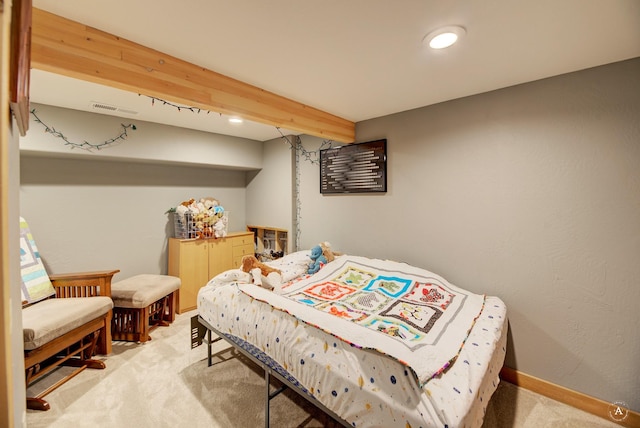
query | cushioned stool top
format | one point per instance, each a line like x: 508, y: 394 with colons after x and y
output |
x: 50, y: 319
x: 142, y: 290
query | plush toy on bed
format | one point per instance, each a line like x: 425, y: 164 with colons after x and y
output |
x: 328, y: 253
x: 263, y: 275
x: 317, y: 260
x: 320, y: 255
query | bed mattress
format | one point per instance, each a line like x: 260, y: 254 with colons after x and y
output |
x: 364, y: 387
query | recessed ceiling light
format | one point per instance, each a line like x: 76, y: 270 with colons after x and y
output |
x: 235, y: 120
x: 444, y: 37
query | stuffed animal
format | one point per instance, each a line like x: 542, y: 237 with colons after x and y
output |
x: 201, y: 218
x: 220, y: 229
x: 213, y: 206
x: 317, y: 260
x: 263, y: 275
x: 250, y: 262
x: 209, y: 203
x: 328, y: 253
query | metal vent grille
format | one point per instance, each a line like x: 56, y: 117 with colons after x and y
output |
x: 98, y: 106
x: 109, y: 107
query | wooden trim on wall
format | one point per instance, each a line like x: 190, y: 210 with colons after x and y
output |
x: 7, y: 410
x: 20, y: 62
x: 69, y: 48
x: 572, y: 398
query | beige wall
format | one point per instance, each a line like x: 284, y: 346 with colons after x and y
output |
x: 13, y: 230
x: 531, y: 193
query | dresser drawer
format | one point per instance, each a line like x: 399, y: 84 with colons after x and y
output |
x: 239, y: 241
x: 242, y: 250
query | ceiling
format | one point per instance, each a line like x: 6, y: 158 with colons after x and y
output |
x: 356, y: 59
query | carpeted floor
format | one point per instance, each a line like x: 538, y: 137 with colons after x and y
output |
x: 161, y: 384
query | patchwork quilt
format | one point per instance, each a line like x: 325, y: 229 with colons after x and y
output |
x: 405, y: 312
x: 35, y: 284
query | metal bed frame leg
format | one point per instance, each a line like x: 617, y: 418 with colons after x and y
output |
x: 208, y: 348
x: 267, y: 377
x: 269, y: 395
x: 209, y: 343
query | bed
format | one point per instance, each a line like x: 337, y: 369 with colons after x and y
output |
x: 371, y: 342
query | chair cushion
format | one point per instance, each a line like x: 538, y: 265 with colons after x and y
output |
x: 51, y: 318
x: 35, y: 280
x: 142, y: 290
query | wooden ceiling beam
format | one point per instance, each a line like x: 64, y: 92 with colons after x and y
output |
x: 69, y: 48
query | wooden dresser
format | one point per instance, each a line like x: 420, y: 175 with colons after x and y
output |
x: 196, y: 261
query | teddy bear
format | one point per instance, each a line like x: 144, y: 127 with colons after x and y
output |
x: 220, y: 228
x: 209, y: 203
x: 317, y: 260
x: 263, y: 275
x: 213, y: 207
x: 329, y: 254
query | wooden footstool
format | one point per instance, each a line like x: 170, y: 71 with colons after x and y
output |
x: 140, y: 303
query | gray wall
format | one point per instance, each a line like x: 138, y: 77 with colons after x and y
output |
x: 269, y: 191
x: 150, y: 142
x: 531, y: 193
x: 107, y: 209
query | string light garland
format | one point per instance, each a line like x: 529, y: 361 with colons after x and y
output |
x: 298, y: 220
x: 310, y: 156
x: 85, y: 145
x: 176, y: 106
x: 301, y: 153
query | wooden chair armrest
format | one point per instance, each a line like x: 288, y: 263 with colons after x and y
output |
x: 83, y: 284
